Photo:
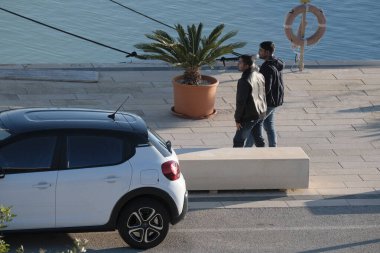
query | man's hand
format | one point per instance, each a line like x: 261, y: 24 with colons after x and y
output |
x: 238, y: 126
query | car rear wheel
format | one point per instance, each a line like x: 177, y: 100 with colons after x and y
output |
x: 143, y: 223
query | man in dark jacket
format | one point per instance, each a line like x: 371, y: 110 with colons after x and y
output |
x: 250, y: 100
x: 274, y: 88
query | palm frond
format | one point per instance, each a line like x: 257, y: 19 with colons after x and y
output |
x: 190, y: 49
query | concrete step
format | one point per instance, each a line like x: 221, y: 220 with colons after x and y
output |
x: 50, y: 75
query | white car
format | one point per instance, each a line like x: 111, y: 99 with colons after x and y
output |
x: 89, y: 170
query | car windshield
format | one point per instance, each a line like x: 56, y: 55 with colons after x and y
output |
x: 159, y: 143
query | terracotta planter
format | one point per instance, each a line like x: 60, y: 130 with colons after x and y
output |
x: 194, y: 101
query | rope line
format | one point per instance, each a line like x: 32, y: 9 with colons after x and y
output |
x: 158, y: 21
x: 69, y: 33
x: 128, y: 54
x: 142, y: 14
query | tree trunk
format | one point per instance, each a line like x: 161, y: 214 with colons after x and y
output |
x: 192, y: 76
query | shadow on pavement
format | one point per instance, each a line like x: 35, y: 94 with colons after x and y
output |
x: 114, y: 250
x: 363, y: 203
x: 53, y: 242
x: 341, y: 247
x: 33, y: 242
x: 372, y: 126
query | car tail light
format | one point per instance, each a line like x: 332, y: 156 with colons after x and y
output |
x: 170, y: 169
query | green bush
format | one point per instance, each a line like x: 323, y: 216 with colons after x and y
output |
x: 5, y: 216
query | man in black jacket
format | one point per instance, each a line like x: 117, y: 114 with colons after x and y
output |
x: 274, y: 88
x: 250, y: 100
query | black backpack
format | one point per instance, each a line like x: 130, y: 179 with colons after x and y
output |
x: 277, y: 89
x: 275, y: 96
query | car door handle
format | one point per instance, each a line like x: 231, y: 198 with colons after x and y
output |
x: 111, y: 179
x: 42, y: 185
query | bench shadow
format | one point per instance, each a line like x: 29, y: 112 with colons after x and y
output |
x: 316, y: 204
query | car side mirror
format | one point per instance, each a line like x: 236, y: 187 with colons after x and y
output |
x: 169, y: 146
x: 2, y: 172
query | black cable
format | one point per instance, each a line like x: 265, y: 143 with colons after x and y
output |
x: 69, y: 33
x: 155, y: 20
x: 142, y: 14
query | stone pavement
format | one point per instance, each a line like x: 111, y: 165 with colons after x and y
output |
x: 332, y: 112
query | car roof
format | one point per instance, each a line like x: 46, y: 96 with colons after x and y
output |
x: 40, y: 119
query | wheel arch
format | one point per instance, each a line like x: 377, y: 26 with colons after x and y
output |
x: 145, y: 192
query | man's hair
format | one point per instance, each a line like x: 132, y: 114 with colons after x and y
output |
x: 268, y: 45
x: 247, y: 59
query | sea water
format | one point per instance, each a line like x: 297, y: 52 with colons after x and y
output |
x: 353, y: 27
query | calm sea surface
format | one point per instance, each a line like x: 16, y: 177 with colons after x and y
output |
x: 353, y: 28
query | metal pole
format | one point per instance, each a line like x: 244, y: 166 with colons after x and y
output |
x: 302, y: 35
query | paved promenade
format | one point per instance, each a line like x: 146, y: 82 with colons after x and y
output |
x: 333, y: 113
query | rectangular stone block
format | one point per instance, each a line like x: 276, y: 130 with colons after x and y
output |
x: 238, y: 168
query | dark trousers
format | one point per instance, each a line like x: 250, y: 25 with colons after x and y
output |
x: 242, y: 134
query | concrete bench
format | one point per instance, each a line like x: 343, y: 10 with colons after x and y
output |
x: 244, y: 168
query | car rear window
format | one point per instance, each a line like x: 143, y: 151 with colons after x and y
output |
x: 158, y: 143
x: 84, y: 151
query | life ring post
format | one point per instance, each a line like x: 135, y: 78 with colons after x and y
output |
x: 302, y: 33
x: 299, y: 39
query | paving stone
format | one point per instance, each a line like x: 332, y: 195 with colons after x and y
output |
x: 334, y: 122
x: 346, y: 191
x: 295, y: 122
x: 335, y: 83
x: 300, y: 134
x: 336, y: 159
x: 363, y: 184
x: 327, y: 128
x: 320, y: 152
x: 368, y: 151
x: 213, y: 129
x: 182, y: 130
x: 370, y: 70
x: 366, y: 171
x: 297, y: 141
x: 325, y: 165
x: 336, y: 178
x: 371, y: 81
x: 366, y: 177
x: 371, y: 158
x: 321, y: 184
x: 348, y: 164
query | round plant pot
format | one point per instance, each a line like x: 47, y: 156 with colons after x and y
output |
x: 194, y: 101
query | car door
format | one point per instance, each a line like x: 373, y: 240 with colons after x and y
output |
x: 28, y: 181
x: 95, y: 176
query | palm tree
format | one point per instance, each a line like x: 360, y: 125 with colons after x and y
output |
x: 190, y: 50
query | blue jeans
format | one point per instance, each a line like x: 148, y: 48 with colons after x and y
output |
x: 242, y: 134
x: 256, y: 136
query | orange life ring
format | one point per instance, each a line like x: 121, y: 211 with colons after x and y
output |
x: 297, y: 11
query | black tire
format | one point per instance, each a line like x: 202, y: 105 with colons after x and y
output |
x: 143, y: 223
